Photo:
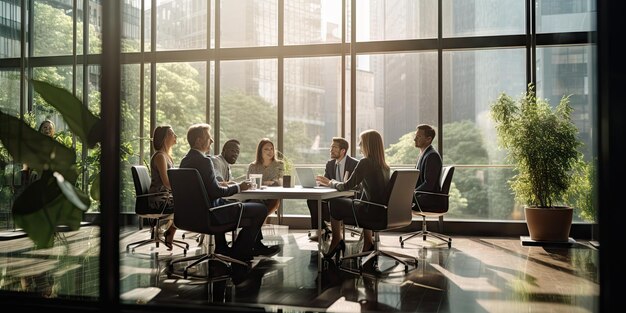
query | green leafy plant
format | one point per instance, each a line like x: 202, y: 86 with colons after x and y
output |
x: 53, y: 199
x: 542, y: 144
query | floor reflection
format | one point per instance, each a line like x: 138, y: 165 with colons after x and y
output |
x: 475, y: 275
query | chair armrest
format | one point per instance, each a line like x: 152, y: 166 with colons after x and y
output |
x: 431, y: 193
x: 356, y: 220
x: 226, y: 205
x: 238, y: 204
x: 425, y: 193
x: 153, y: 194
x: 368, y: 202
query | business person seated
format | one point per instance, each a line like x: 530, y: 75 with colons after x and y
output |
x: 373, y: 173
x: 223, y: 161
x: 244, y: 247
x: 271, y: 168
x: 163, y: 139
x: 339, y: 167
x: 429, y: 164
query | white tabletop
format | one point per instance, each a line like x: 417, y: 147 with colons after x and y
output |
x: 297, y: 192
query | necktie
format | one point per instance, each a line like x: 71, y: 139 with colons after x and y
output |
x: 338, y: 173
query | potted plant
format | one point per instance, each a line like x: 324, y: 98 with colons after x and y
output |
x: 542, y: 144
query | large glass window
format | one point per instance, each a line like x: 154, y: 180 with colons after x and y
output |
x: 248, y: 23
x: 181, y: 24
x: 566, y: 16
x: 248, y: 106
x: 472, y: 81
x: 394, y: 93
x: 396, y: 20
x: 463, y: 18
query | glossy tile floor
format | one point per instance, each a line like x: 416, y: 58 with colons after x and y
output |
x: 475, y: 275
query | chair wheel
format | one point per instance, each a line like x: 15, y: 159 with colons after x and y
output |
x: 183, y: 236
x: 424, y: 238
x: 450, y: 244
x: 406, y: 268
x: 401, y: 244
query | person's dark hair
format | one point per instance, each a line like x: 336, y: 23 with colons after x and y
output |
x: 158, y: 136
x: 259, y: 150
x: 428, y: 130
x: 229, y: 142
x: 197, y: 131
x: 342, y: 143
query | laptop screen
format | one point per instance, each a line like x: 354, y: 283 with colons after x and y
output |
x: 306, y: 177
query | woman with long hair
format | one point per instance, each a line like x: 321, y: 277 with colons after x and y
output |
x: 270, y: 167
x: 372, y: 172
x: 163, y: 139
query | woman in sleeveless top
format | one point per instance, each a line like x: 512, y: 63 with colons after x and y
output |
x: 162, y: 140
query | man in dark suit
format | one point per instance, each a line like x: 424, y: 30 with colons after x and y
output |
x: 253, y: 215
x: 429, y: 164
x: 339, y: 167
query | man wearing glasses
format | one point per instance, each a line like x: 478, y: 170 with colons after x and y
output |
x: 339, y: 167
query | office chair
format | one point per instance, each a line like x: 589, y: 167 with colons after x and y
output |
x: 397, y: 214
x: 195, y: 212
x: 141, y: 179
x: 438, y: 211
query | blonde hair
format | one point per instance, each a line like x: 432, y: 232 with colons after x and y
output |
x: 373, y: 148
x: 197, y: 131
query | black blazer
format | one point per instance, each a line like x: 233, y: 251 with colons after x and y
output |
x: 372, y: 178
x: 204, y: 165
x: 430, y: 166
x: 329, y: 172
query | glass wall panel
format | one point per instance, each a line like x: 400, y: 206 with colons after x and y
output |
x: 312, y: 21
x: 472, y: 81
x: 181, y: 24
x: 52, y: 28
x: 10, y: 27
x: 312, y: 114
x: 131, y: 137
x: 248, y: 23
x: 395, y: 92
x: 60, y: 76
x: 248, y: 106
x: 568, y: 71
x: 10, y: 177
x: 483, y: 17
x: 396, y: 19
x: 566, y: 16
x: 180, y: 100
x: 131, y: 26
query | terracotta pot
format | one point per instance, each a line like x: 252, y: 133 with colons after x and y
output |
x: 549, y: 224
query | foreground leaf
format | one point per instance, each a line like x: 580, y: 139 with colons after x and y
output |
x: 40, y: 152
x: 71, y: 193
x: 79, y: 119
x: 41, y: 225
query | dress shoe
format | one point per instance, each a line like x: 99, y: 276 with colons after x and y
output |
x: 336, y: 251
x: 268, y: 251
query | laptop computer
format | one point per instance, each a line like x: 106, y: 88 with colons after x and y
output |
x: 307, y: 177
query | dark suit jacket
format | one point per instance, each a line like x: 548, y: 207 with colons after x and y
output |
x: 204, y: 165
x: 329, y: 172
x: 430, y: 166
